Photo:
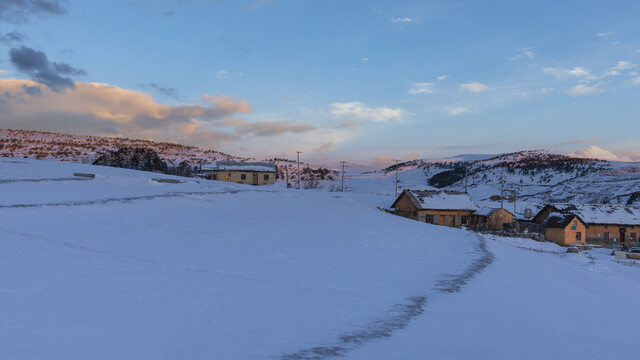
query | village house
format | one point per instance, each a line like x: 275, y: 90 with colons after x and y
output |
x: 254, y: 173
x: 486, y: 218
x: 439, y: 207
x: 565, y: 229
x: 604, y: 223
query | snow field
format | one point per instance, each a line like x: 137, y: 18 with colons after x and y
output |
x: 231, y: 272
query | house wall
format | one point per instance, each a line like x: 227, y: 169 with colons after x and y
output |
x: 236, y: 176
x: 595, y: 233
x: 404, y: 207
x: 567, y: 235
x: 497, y: 220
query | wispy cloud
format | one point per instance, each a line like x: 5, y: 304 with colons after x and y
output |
x: 459, y: 110
x: 401, y: 20
x: 224, y: 74
x: 474, y: 86
x: 358, y: 110
x: 421, y: 88
x: 442, y: 77
x: 582, y: 89
x: 524, y: 53
x: 606, y: 33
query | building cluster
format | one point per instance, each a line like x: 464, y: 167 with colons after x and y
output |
x: 564, y: 224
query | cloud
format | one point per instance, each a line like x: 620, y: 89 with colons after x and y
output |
x: 595, y: 152
x: 360, y: 111
x: 421, y: 88
x: 36, y: 64
x: 266, y: 128
x: 102, y: 109
x: 475, y: 87
x: 164, y: 90
x: 12, y: 37
x: 223, y: 74
x: 365, y: 59
x: 636, y: 81
x: 460, y: 110
x: 20, y: 11
x: 442, y: 77
x: 606, y: 33
x: 324, y: 147
x: 384, y: 161
x: 563, y: 74
x: 348, y: 124
x: 412, y: 156
x: 32, y: 90
x: 401, y: 20
x: 582, y: 89
x: 579, y: 141
x: 522, y: 53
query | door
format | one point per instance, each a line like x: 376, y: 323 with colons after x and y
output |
x: 255, y: 178
x: 578, y: 236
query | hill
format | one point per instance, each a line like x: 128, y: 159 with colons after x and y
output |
x: 535, y: 177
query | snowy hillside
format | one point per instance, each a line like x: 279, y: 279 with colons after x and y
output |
x: 536, y: 178
x: 77, y: 148
x: 122, y: 266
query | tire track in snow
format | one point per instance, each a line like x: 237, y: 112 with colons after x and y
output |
x: 399, y: 316
x: 127, y: 199
x: 9, y: 181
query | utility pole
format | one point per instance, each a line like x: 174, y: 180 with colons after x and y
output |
x: 501, y: 190
x: 298, y: 177
x: 397, y: 161
x: 344, y: 163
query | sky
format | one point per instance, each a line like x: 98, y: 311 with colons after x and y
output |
x: 361, y: 81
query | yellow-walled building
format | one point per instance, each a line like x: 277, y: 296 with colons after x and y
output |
x: 604, y: 223
x: 254, y: 173
x: 439, y: 207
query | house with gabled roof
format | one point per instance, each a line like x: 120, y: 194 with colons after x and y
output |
x: 604, y: 223
x: 254, y: 173
x: 439, y: 207
x: 487, y: 218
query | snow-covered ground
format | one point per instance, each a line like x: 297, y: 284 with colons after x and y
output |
x: 124, y: 267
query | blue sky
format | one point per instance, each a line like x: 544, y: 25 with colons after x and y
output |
x: 353, y: 80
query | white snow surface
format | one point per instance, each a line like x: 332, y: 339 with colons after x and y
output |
x: 123, y: 267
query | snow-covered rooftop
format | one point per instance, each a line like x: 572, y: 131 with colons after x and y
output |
x: 602, y: 213
x: 239, y: 166
x: 441, y: 200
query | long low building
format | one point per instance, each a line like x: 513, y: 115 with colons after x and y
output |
x: 439, y: 207
x: 604, y: 223
x: 254, y: 173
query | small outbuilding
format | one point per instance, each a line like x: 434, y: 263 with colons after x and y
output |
x: 254, y: 173
x: 565, y: 229
x: 439, y: 207
x: 486, y: 218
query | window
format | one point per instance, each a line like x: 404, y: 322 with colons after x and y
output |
x: 463, y: 220
x: 633, y: 236
x: 243, y: 176
x: 578, y: 236
x: 266, y: 177
x: 605, y: 235
x: 228, y: 176
x: 214, y: 176
x: 428, y: 219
